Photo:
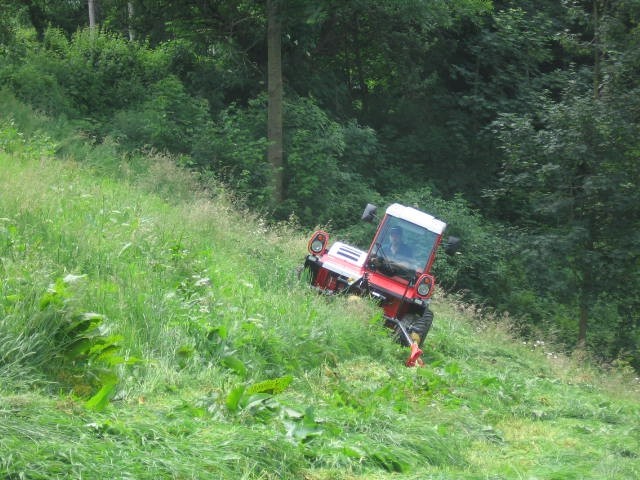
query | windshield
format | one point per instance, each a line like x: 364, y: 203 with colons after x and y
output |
x: 403, y: 247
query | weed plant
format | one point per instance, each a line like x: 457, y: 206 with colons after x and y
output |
x: 151, y: 329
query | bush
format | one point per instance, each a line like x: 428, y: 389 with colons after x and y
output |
x: 169, y: 119
x: 93, y: 75
x: 234, y: 149
x: 321, y: 185
x: 115, y: 87
x: 203, y: 76
x: 104, y: 73
x: 33, y: 83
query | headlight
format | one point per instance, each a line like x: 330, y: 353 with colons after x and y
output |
x: 318, y: 243
x: 425, y: 285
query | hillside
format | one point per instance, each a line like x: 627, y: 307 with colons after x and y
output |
x: 227, y: 367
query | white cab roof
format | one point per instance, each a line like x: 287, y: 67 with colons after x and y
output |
x: 416, y: 216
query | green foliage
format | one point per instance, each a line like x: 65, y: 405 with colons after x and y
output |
x: 11, y: 138
x: 202, y: 76
x: 234, y: 149
x: 11, y: 22
x: 571, y: 180
x: 13, y: 141
x: 169, y: 120
x: 77, y: 337
x: 53, y: 341
x: 125, y: 89
x: 323, y: 184
x: 6, y: 27
x: 16, y: 368
x: 259, y: 403
x: 102, y: 72
x: 34, y: 84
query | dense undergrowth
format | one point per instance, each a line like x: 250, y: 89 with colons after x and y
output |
x: 150, y: 329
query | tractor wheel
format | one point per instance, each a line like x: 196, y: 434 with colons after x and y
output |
x: 417, y: 326
x: 307, y: 273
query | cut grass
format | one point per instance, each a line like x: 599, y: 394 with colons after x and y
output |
x: 59, y: 440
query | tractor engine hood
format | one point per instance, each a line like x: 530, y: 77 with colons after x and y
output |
x: 345, y: 260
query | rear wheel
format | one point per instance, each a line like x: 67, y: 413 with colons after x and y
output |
x: 417, y: 326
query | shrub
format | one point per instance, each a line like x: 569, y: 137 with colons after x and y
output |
x: 169, y: 119
x: 103, y: 73
x: 234, y: 149
x: 322, y: 185
x: 34, y: 83
x: 93, y: 75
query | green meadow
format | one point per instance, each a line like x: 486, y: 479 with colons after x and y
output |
x: 151, y: 328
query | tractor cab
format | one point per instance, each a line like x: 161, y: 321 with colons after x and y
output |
x: 405, y: 244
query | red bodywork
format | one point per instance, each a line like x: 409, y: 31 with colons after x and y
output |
x: 403, y: 285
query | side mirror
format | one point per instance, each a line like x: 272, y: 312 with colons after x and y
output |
x: 369, y: 214
x: 452, y: 245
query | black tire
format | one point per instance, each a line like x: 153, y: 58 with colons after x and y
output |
x: 307, y: 272
x: 416, y: 324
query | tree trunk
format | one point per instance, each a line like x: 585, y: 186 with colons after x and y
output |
x: 130, y: 14
x: 586, y: 289
x: 274, y: 112
x: 359, y: 67
x: 582, y: 326
x: 596, y: 50
x: 92, y: 14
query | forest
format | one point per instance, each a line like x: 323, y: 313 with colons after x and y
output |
x: 516, y: 122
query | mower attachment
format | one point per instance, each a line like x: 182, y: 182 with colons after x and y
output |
x: 414, y: 359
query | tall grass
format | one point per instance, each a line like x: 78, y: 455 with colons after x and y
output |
x: 220, y: 364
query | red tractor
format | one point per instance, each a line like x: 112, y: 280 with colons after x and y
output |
x: 395, y: 270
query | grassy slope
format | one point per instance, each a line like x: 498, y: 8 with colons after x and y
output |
x: 205, y: 296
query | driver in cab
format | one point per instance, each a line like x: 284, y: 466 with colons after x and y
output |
x: 400, y: 255
x: 395, y: 256
x: 398, y: 249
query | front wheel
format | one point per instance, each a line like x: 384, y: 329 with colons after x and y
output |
x: 307, y: 272
x: 417, y: 326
